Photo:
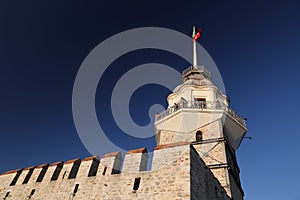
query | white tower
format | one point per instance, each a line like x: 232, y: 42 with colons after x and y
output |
x: 198, y: 112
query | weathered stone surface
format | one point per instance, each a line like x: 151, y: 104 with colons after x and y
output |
x: 167, y: 180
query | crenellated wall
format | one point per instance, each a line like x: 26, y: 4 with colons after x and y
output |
x: 174, y: 168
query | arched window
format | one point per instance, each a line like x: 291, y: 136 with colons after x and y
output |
x: 199, y: 136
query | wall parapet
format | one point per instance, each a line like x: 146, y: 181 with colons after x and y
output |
x: 93, y: 170
x: 135, y: 161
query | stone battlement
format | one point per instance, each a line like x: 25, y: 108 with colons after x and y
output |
x: 171, y: 167
x: 135, y: 161
x: 71, y: 169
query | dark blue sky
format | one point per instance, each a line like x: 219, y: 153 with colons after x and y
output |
x: 255, y: 46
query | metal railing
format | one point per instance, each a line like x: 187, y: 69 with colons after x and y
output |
x: 200, y: 105
x: 193, y: 69
x: 232, y: 112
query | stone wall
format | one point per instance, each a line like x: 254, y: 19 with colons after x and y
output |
x: 177, y: 173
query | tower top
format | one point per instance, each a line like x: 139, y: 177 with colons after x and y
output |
x: 196, y: 72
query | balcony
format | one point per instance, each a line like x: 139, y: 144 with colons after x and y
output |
x: 191, y: 69
x: 201, y: 106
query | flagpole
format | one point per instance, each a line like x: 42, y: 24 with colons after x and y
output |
x: 195, y: 55
x: 194, y: 49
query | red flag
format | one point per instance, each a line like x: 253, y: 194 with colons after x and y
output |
x: 197, y: 35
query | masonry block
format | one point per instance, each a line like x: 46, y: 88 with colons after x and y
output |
x: 135, y: 161
x: 166, y: 155
x: 111, y: 163
x: 89, y: 167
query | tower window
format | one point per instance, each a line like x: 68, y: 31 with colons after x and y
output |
x: 200, y: 103
x: 199, y: 136
x: 136, y: 184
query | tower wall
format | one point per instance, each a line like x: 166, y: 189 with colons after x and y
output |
x: 204, y: 185
x: 213, y: 152
x: 214, y: 147
x: 183, y: 125
x: 233, y: 173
